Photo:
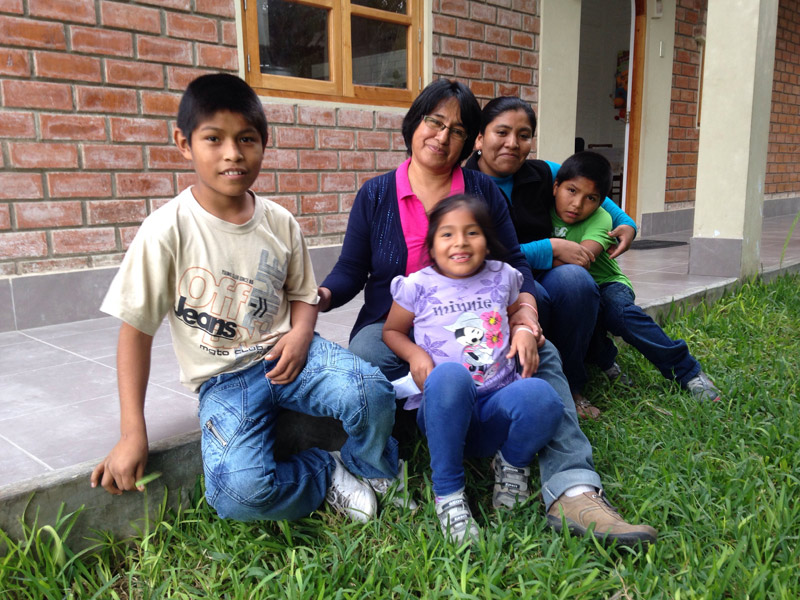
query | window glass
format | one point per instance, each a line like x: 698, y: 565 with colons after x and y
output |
x: 293, y: 40
x: 379, y: 53
x: 395, y: 6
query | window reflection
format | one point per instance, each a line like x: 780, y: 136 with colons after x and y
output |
x: 293, y: 40
x: 379, y: 53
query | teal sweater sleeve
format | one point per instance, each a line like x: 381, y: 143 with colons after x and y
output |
x: 618, y: 216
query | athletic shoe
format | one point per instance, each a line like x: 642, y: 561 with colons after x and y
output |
x: 591, y: 510
x: 616, y: 375
x: 395, y: 488
x: 701, y: 387
x: 456, y: 519
x: 350, y: 496
x: 510, y: 483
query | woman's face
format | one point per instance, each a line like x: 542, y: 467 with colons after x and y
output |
x: 437, y: 150
x: 505, y: 144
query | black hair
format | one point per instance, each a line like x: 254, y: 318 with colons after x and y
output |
x: 479, y: 210
x: 434, y: 94
x: 210, y: 94
x: 591, y: 165
x: 502, y: 104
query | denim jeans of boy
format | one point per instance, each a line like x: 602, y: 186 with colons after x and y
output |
x: 564, y: 462
x: 568, y: 302
x: 620, y: 316
x: 237, y: 417
x: 518, y: 419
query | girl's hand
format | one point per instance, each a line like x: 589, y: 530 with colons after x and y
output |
x: 524, y: 344
x: 420, y: 367
x: 625, y: 233
x: 572, y: 253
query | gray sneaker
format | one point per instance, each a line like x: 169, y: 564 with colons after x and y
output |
x: 616, y: 375
x: 510, y: 483
x: 394, y: 488
x: 701, y: 387
x: 349, y: 495
x: 456, y: 519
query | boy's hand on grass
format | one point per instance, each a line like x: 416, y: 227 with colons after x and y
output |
x: 123, y: 466
x: 625, y: 235
x: 291, y: 352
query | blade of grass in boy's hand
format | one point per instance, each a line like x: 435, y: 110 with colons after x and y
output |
x: 148, y: 478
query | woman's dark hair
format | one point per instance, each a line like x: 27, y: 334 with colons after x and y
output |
x: 216, y: 92
x: 502, y: 104
x: 434, y: 94
x: 479, y: 210
x: 591, y: 165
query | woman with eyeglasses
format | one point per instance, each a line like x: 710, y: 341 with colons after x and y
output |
x: 385, y: 238
x: 386, y: 229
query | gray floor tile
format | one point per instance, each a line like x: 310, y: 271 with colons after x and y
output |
x: 34, y: 355
x: 47, y: 388
x: 17, y: 464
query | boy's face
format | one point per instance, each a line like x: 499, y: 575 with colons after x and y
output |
x: 226, y: 152
x: 576, y: 199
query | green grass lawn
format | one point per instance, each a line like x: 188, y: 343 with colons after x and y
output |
x: 719, y: 481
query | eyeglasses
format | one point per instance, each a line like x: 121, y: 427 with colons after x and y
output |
x: 437, y: 125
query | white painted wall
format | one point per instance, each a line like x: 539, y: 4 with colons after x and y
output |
x: 605, y: 30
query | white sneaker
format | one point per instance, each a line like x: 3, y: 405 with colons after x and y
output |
x: 395, y: 488
x: 510, y: 483
x: 455, y: 518
x: 349, y: 495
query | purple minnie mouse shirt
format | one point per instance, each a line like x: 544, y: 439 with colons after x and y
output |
x: 463, y: 320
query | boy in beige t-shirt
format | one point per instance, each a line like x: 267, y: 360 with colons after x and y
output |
x: 232, y: 273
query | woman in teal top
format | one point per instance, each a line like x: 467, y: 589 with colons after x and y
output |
x: 567, y: 296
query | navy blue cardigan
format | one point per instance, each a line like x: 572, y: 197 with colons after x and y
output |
x: 374, y: 250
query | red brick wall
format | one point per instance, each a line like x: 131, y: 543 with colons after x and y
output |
x: 690, y: 18
x: 783, y: 170
x: 88, y: 94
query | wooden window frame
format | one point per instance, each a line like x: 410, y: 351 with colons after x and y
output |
x: 340, y: 88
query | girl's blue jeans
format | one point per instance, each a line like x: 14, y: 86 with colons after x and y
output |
x: 237, y: 416
x: 518, y: 420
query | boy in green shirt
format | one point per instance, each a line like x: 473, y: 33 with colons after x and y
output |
x: 582, y: 182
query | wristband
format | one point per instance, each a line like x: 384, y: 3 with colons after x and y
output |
x: 523, y: 328
x: 532, y: 307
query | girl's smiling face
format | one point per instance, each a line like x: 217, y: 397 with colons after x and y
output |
x: 459, y: 246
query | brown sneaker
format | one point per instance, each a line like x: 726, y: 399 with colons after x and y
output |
x: 591, y: 508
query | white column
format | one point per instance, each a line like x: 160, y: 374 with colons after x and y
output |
x: 734, y: 130
x: 559, y: 53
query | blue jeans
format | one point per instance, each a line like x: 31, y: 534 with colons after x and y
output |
x: 620, y: 316
x: 568, y: 300
x: 518, y: 420
x: 237, y: 416
x: 564, y: 462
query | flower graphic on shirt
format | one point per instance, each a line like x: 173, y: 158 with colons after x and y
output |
x: 431, y: 346
x: 425, y: 296
x: 494, y: 338
x: 497, y: 290
x: 491, y: 320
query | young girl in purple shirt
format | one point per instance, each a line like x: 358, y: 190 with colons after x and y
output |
x: 475, y: 402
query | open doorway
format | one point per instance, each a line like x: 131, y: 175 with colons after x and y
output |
x: 606, y: 88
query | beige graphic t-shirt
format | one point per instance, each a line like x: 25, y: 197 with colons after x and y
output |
x: 224, y: 288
